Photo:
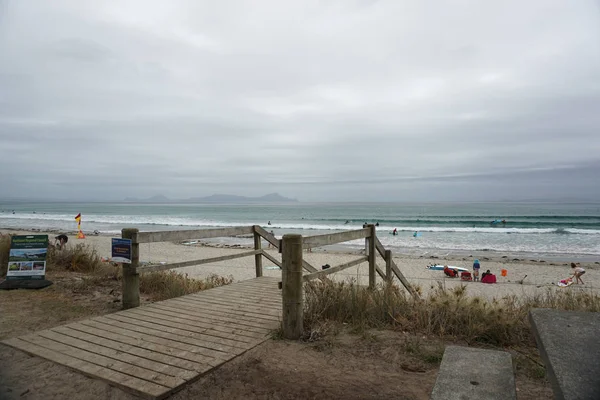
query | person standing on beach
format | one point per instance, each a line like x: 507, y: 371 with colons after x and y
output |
x: 577, y: 272
x: 476, y: 267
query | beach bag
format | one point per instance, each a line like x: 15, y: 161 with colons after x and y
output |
x: 466, y: 276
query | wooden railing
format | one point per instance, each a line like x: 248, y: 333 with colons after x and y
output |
x: 131, y: 292
x: 293, y: 278
x: 292, y: 264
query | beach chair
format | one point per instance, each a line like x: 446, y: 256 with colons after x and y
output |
x: 466, y: 276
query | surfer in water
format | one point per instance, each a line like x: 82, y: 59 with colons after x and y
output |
x: 395, y: 232
x: 347, y: 222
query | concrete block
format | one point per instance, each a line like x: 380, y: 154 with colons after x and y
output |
x: 475, y: 374
x: 569, y: 343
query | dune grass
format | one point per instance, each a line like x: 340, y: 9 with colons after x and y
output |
x: 168, y: 284
x: 448, y: 313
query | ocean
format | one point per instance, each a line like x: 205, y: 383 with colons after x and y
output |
x: 531, y: 229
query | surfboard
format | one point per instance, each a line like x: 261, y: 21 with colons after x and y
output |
x: 441, y: 268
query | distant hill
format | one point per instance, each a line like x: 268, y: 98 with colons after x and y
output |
x: 159, y: 198
x: 217, y: 199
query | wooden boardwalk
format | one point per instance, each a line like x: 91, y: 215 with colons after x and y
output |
x: 154, y: 350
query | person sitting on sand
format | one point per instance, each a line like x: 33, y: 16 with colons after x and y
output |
x: 577, y: 272
x: 488, y: 277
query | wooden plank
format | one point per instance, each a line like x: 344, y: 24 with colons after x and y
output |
x: 235, y: 326
x: 231, y: 309
x: 225, y: 330
x: 215, y: 336
x: 271, y: 258
x: 267, y: 236
x: 55, y: 342
x: 247, y: 304
x: 395, y: 269
x: 128, y: 383
x: 143, y: 334
x: 130, y: 358
x: 380, y: 272
x: 269, y: 290
x: 224, y: 316
x: 258, y: 303
x: 142, y: 349
x: 175, y: 236
x: 188, y: 325
x: 161, y: 318
x: 333, y: 270
x: 155, y: 268
x: 310, y: 242
x: 170, y: 332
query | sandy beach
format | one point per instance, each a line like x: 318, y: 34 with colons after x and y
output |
x: 541, y: 274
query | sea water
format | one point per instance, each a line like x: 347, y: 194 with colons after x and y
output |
x: 532, y: 228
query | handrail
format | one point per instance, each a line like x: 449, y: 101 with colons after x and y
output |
x: 394, y: 267
x: 163, y: 267
x: 173, y: 236
x: 277, y: 244
x: 310, y: 242
x: 272, y: 259
x: 338, y: 268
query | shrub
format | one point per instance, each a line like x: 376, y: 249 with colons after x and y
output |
x: 80, y: 258
x: 442, y: 312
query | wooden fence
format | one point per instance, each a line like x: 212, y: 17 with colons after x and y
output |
x: 293, y: 278
x: 292, y: 265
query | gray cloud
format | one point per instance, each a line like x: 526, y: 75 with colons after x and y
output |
x: 341, y: 100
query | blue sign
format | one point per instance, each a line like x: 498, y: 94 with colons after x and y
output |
x: 121, y: 250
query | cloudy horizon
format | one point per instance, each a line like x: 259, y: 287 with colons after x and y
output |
x: 359, y: 100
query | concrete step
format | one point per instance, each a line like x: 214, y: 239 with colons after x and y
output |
x: 569, y: 345
x: 475, y: 374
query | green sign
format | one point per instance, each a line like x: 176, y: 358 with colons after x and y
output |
x: 27, y: 257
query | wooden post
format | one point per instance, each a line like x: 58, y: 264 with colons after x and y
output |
x: 371, y: 254
x: 131, y: 278
x: 388, y: 266
x: 366, y: 241
x: 258, y: 257
x: 292, y: 293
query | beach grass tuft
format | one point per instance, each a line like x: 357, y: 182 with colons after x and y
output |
x: 447, y: 313
x: 78, y: 258
x: 168, y: 284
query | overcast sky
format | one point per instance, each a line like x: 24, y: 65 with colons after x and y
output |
x: 317, y: 100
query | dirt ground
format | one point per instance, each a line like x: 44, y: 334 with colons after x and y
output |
x: 377, y: 365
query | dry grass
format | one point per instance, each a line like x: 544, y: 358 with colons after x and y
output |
x: 168, y: 284
x: 447, y: 313
x: 80, y: 258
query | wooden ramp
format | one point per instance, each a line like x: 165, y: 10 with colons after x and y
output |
x: 154, y: 350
